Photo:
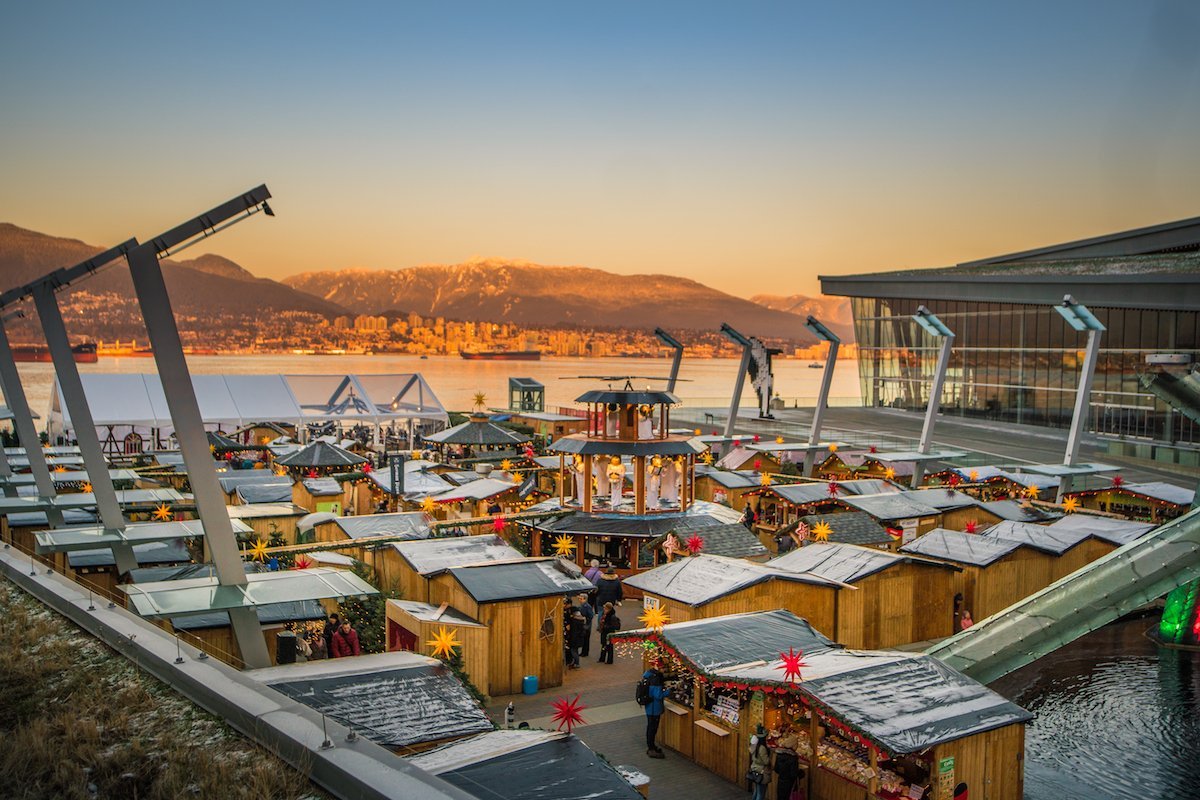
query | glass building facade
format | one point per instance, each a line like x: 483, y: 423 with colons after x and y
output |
x: 1021, y: 363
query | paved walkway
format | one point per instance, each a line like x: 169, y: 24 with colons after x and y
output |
x: 616, y: 726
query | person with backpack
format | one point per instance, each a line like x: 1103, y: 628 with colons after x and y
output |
x: 589, y: 618
x: 609, y: 589
x: 610, y: 623
x: 650, y: 694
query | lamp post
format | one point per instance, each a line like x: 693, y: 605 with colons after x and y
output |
x: 814, y: 434
x: 673, y: 343
x: 1081, y: 319
x: 744, y: 367
x: 938, y: 330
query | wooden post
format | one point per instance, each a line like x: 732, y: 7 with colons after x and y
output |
x: 587, y: 482
x: 639, y: 484
x: 814, y: 747
x: 873, y: 784
x: 562, y: 480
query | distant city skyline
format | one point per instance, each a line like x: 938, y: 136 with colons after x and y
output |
x: 750, y: 147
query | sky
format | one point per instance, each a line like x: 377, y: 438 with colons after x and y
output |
x: 751, y: 146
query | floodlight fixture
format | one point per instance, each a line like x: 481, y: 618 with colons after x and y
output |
x: 820, y: 331
x: 218, y: 219
x: 1078, y: 316
x: 931, y: 324
x: 733, y: 336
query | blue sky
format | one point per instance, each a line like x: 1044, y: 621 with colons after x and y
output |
x: 751, y: 146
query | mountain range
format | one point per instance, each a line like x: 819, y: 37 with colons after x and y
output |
x: 215, y: 290
x: 533, y: 294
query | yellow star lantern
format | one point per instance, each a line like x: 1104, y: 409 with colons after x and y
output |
x: 833, y: 448
x: 259, y: 551
x: 765, y: 480
x: 973, y: 475
x: 564, y: 545
x: 506, y: 465
x: 428, y: 505
x: 889, y: 473
x: 212, y: 449
x: 480, y: 401
x: 1032, y: 492
x: 821, y: 531
x: 162, y: 513
x: 87, y: 487
x: 654, y: 618
x: 60, y: 468
x: 697, y: 432
x: 1070, y: 504
x: 708, y: 457
x: 443, y: 643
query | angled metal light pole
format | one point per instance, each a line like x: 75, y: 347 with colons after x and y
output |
x: 18, y: 404
x: 180, y: 394
x: 677, y: 357
x: 938, y: 330
x: 814, y: 434
x: 744, y: 367
x: 1081, y: 319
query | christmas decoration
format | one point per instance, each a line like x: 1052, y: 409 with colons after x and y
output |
x: 833, y: 448
x: 259, y: 550
x: 60, y: 468
x: 654, y: 618
x: 792, y: 662
x: 670, y: 546
x: 756, y: 438
x: 834, y: 488
x: 366, y: 468
x: 971, y: 526
x: 802, y: 532
x: 696, y: 432
x: 564, y: 546
x: 778, y: 440
x: 566, y: 712
x: 1117, y: 481
x: 821, y: 531
x: 303, y: 562
x: 1032, y: 492
x: 708, y: 457
x: 162, y: 513
x: 872, y: 449
x: 87, y: 488
x: 764, y: 479
x: 889, y: 473
x: 480, y: 401
x: 757, y: 464
x: 1070, y: 504
x: 974, y: 475
x: 312, y: 473
x: 428, y: 505
x: 695, y: 543
x: 498, y: 524
x: 443, y: 643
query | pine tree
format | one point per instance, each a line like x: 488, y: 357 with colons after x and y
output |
x: 369, y: 616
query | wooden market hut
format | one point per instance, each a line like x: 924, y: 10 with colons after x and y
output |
x: 405, y: 702
x: 480, y: 498
x: 320, y: 458
x: 522, y: 605
x: 959, y: 510
x: 547, y: 425
x: 995, y: 572
x: 270, y: 519
x: 420, y: 481
x: 899, y: 598
x: 419, y: 560
x: 477, y: 438
x: 850, y: 527
x: 893, y: 470
x: 1005, y: 485
x: 1020, y: 511
x: 381, y: 557
x: 269, y: 481
x: 897, y: 511
x: 839, y: 465
x: 780, y: 505
x: 743, y: 458
x: 882, y: 723
x: 725, y: 487
x: 1114, y: 532
x: 1154, y: 502
x: 263, y: 433
x: 703, y: 586
x: 1067, y: 549
x: 97, y: 569
x: 412, y: 625
x: 731, y: 540
x: 321, y: 494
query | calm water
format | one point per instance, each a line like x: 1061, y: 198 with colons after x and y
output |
x: 1117, y: 717
x: 455, y: 381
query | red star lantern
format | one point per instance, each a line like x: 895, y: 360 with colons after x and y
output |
x: 567, y: 712
x: 498, y: 524
x: 758, y: 463
x: 737, y: 442
x: 303, y: 562
x: 714, y: 433
x: 833, y: 488
x: 873, y: 449
x: 1117, y: 481
x: 955, y: 479
x: 756, y: 438
x: 971, y: 526
x: 312, y: 473
x: 695, y: 544
x: 529, y: 453
x: 366, y: 468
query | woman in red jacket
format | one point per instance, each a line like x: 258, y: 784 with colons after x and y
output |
x: 345, y: 641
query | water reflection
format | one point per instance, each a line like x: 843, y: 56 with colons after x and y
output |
x: 1116, y: 718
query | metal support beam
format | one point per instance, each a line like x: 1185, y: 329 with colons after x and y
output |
x: 193, y: 442
x: 738, y: 385
x: 1079, y: 417
x: 676, y: 358
x: 814, y: 433
x: 933, y: 326
x: 18, y: 404
x: 81, y: 421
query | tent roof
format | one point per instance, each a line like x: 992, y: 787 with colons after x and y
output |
x: 137, y: 399
x: 256, y: 493
x: 477, y: 430
x: 321, y: 454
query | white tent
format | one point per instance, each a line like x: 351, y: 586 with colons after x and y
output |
x: 136, y: 401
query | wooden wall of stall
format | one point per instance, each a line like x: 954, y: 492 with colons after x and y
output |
x: 284, y: 523
x: 676, y: 730
x: 956, y: 519
x: 989, y: 589
x: 707, y: 489
x: 526, y: 635
x: 1078, y: 556
x: 817, y: 604
x: 220, y: 643
x: 989, y: 763
x: 909, y: 602
x: 474, y: 639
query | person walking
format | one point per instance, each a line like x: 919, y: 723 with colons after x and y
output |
x: 759, y: 774
x: 317, y: 646
x: 589, y: 616
x: 345, y: 641
x: 576, y: 637
x: 610, y: 623
x: 609, y: 590
x: 593, y: 573
x: 655, y: 691
x: 748, y: 517
x: 787, y: 767
x: 331, y: 625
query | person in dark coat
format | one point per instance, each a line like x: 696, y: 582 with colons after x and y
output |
x: 609, y: 589
x: 748, y: 517
x: 576, y: 636
x: 585, y: 608
x: 610, y: 623
x: 331, y: 625
x: 345, y: 641
x: 654, y: 711
x: 787, y: 767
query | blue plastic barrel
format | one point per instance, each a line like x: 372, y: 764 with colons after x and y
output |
x: 529, y: 684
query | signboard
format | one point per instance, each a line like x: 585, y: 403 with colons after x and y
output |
x: 728, y: 709
x: 945, y: 778
x: 908, y: 532
x: 649, y: 602
x: 397, y: 474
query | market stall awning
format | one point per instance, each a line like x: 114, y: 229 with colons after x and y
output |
x: 204, y: 595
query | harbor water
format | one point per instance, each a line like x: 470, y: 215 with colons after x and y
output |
x: 1117, y: 717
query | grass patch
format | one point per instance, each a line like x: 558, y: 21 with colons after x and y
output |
x: 78, y: 721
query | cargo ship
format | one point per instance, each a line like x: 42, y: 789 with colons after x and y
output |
x: 84, y: 353
x: 502, y: 355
